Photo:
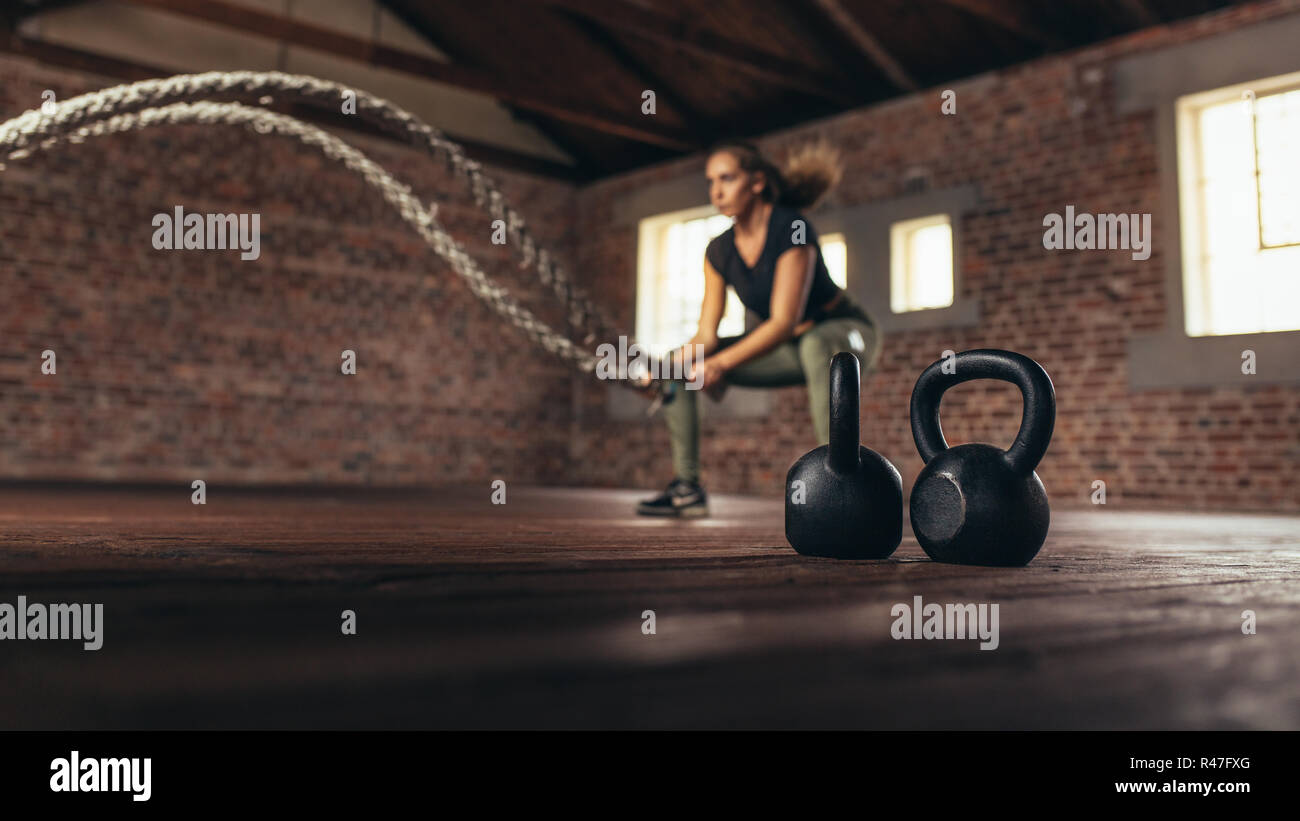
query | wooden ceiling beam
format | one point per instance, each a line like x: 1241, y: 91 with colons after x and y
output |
x: 707, y: 45
x: 868, y: 44
x: 514, y: 92
x: 22, y: 10
x: 53, y: 54
x: 118, y: 69
x: 1008, y: 19
x: 694, y: 119
x: 585, y: 166
x: 1141, y: 13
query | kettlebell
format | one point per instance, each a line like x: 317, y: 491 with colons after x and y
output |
x: 976, y: 504
x: 850, y: 505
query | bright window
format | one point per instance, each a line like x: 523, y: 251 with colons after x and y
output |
x: 670, y: 279
x: 1239, y: 192
x: 920, y: 262
x: 835, y: 255
x: 1277, y: 161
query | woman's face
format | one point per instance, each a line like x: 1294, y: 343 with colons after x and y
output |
x: 732, y: 190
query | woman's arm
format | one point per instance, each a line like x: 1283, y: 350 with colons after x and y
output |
x: 791, y: 284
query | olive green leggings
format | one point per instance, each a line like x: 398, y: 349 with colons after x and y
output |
x: 803, y: 360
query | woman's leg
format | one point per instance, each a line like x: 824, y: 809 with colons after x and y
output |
x: 683, y: 418
x: 817, y: 346
x: 777, y: 368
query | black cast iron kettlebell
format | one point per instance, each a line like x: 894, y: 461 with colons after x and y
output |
x: 976, y: 504
x: 849, y: 503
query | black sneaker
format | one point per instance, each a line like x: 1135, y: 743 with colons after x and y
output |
x: 680, y: 498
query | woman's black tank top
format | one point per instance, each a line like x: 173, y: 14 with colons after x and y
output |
x: 786, y: 227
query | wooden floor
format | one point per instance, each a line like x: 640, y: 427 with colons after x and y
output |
x: 529, y: 615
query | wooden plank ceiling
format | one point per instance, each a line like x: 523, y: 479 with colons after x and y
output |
x: 576, y: 69
x: 744, y: 67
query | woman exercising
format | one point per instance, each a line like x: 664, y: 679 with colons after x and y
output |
x: 772, y: 258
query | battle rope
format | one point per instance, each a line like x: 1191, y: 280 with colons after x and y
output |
x: 152, y: 102
x: 399, y: 195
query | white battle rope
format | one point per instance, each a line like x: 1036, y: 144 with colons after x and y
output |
x: 161, y: 102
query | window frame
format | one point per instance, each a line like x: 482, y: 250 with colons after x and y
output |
x: 1191, y: 201
x: 1152, y: 82
x: 1289, y: 88
x: 649, y: 238
x: 901, y: 233
x: 866, y: 229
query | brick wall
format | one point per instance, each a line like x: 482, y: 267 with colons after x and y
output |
x: 180, y: 365
x: 1016, y: 138
x: 175, y: 365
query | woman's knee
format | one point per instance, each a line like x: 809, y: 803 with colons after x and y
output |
x: 816, y: 348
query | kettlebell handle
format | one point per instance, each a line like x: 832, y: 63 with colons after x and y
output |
x: 842, y: 455
x: 1036, y: 424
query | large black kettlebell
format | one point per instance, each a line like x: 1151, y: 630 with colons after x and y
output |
x: 849, y: 503
x: 976, y: 504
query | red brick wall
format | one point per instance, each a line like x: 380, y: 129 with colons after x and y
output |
x: 1017, y: 140
x: 174, y: 365
x: 181, y: 365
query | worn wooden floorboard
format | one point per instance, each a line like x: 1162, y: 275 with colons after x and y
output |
x: 529, y: 615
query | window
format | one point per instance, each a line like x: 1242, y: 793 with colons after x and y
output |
x: 1277, y: 168
x: 1239, y: 192
x: 670, y: 279
x: 920, y: 264
x: 835, y: 255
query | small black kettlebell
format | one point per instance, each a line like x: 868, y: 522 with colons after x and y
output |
x: 976, y: 504
x: 849, y: 504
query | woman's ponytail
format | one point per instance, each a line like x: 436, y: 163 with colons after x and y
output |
x: 811, y: 171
